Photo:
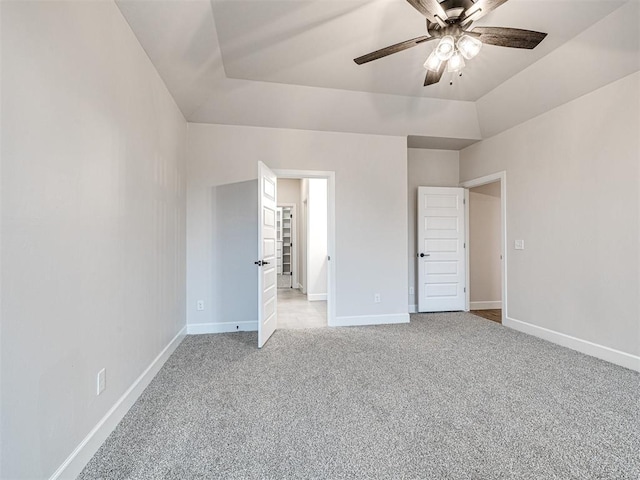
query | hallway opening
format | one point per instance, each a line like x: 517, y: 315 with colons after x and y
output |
x: 302, y: 253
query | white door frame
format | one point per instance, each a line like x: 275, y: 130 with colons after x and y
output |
x: 294, y: 240
x: 476, y: 182
x: 331, y: 230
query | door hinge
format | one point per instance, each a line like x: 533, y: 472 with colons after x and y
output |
x: 328, y: 258
x: 465, y: 289
x: 464, y: 245
x: 464, y: 201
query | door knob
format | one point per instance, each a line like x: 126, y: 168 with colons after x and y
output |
x: 261, y: 263
x: 424, y: 254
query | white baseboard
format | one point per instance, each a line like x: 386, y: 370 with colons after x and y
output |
x: 316, y: 297
x: 370, y: 320
x: 413, y: 308
x: 623, y: 359
x: 222, y: 327
x: 79, y: 458
x: 485, y: 305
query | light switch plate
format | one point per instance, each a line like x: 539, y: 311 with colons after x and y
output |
x: 519, y: 244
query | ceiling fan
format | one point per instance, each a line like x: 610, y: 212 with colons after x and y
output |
x: 449, y: 21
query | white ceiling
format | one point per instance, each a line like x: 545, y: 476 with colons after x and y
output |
x: 313, y: 43
x: 289, y: 64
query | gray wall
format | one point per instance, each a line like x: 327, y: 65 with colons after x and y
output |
x: 573, y: 184
x: 289, y: 191
x: 370, y: 208
x: 485, y: 246
x: 236, y: 248
x: 93, y: 224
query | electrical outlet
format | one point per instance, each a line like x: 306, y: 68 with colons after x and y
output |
x: 101, y: 383
x: 411, y: 292
x: 519, y: 244
x: 376, y: 298
x: 200, y: 305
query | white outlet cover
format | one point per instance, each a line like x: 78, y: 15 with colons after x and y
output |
x: 519, y: 244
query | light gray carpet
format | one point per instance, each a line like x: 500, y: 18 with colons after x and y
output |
x: 446, y: 396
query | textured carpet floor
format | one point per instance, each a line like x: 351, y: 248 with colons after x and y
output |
x: 446, y: 396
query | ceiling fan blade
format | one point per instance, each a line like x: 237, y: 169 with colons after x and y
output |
x: 480, y: 8
x: 430, y: 9
x: 398, y: 47
x: 434, y: 77
x: 509, y: 37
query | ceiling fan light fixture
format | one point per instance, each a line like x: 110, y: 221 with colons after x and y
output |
x: 433, y: 62
x: 468, y: 46
x: 445, y: 48
x: 456, y: 62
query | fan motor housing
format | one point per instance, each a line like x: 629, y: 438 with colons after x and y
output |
x: 436, y: 30
x: 454, y: 9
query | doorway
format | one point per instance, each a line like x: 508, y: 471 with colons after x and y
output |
x: 303, y: 255
x: 486, y: 240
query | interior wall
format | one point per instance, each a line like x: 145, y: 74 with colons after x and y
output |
x: 302, y: 225
x: 236, y: 248
x: 369, y: 224
x: 485, y: 247
x: 289, y: 192
x: 93, y: 224
x: 317, y: 240
x: 573, y: 191
x: 426, y: 168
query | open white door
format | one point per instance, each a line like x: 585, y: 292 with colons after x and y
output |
x: 267, y: 288
x: 441, y: 249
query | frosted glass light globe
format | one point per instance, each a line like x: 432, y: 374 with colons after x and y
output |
x: 445, y: 48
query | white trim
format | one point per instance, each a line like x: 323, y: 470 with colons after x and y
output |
x: 221, y: 327
x: 467, y: 255
x: 371, y: 320
x: 316, y: 297
x: 476, y: 182
x: 485, y: 305
x: 413, y: 308
x: 623, y: 359
x: 87, y: 448
x: 331, y: 231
